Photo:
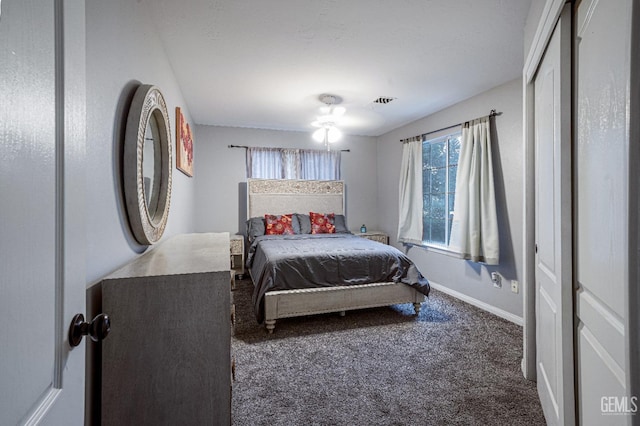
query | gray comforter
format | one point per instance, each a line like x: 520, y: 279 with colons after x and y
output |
x: 286, y: 262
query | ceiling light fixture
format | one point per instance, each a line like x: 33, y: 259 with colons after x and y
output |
x: 331, y: 114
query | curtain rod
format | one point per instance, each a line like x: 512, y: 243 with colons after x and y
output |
x: 493, y: 113
x: 247, y: 147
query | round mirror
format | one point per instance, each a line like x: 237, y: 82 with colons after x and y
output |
x: 147, y: 165
x: 151, y: 161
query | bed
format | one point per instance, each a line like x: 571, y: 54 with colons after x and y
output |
x: 296, y: 275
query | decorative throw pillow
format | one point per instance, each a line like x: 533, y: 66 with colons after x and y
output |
x: 322, y: 223
x: 303, y: 223
x: 278, y: 224
x: 341, y: 224
x: 255, y: 228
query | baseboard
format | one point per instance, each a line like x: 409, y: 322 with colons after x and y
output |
x: 477, y: 303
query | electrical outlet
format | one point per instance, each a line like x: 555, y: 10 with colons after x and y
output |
x: 514, y: 286
x: 496, y: 279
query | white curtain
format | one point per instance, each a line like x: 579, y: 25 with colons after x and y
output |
x: 411, y: 193
x: 284, y: 163
x: 264, y: 163
x: 474, y: 232
x: 290, y: 163
x: 320, y: 165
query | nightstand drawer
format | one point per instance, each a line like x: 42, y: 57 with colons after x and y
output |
x: 378, y: 236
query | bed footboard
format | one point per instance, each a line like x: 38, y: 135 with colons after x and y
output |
x: 293, y: 303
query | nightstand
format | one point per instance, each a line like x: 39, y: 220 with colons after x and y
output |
x: 378, y: 236
x: 236, y: 245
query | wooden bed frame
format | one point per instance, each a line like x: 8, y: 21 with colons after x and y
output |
x: 266, y: 196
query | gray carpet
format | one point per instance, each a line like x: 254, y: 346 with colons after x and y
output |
x: 453, y: 365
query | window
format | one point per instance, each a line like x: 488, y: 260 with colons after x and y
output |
x: 439, y: 168
x: 283, y: 163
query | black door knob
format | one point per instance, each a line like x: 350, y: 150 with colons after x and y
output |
x: 98, y: 329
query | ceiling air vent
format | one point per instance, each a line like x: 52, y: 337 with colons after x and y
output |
x: 383, y: 100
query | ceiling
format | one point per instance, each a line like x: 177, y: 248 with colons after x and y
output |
x: 263, y: 64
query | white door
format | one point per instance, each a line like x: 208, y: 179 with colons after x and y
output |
x: 554, y: 312
x: 601, y: 193
x: 41, y: 230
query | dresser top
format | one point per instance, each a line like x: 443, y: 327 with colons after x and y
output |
x: 181, y: 254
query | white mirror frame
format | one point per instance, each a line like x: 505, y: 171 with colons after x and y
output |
x: 147, y: 227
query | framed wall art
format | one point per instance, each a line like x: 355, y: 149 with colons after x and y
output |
x: 184, y: 145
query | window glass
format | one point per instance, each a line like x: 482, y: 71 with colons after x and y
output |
x: 439, y: 168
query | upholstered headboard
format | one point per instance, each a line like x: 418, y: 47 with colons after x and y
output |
x: 284, y: 196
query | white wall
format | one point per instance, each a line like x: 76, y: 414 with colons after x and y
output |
x: 471, y: 279
x: 123, y: 51
x: 220, y: 170
x: 531, y: 25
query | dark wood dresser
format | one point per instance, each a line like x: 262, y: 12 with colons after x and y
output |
x: 167, y: 360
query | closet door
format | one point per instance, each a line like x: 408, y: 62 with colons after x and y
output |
x: 601, y: 206
x: 553, y: 290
